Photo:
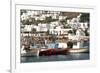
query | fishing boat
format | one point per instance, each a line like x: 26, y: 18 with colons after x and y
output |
x: 54, y: 52
x: 62, y: 51
x: 49, y: 52
x: 30, y: 53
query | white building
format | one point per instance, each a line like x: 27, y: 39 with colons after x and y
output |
x: 28, y: 28
x: 80, y: 32
x: 24, y: 16
x: 62, y: 17
x: 42, y: 27
x: 75, y: 23
x: 59, y: 31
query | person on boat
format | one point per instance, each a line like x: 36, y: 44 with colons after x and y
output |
x: 70, y: 44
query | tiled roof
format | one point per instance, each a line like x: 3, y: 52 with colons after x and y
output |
x: 70, y: 15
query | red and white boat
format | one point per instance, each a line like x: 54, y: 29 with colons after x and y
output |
x: 62, y: 51
x: 49, y: 52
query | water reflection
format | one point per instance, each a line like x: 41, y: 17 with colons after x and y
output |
x: 74, y: 56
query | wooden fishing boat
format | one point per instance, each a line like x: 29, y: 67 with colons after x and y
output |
x: 62, y: 51
x: 32, y: 52
x: 54, y: 52
x: 49, y: 52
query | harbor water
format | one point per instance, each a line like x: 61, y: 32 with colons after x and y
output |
x: 69, y: 57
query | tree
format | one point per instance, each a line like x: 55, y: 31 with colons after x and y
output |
x: 33, y: 30
x: 23, y: 11
x: 85, y: 17
x: 70, y: 31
